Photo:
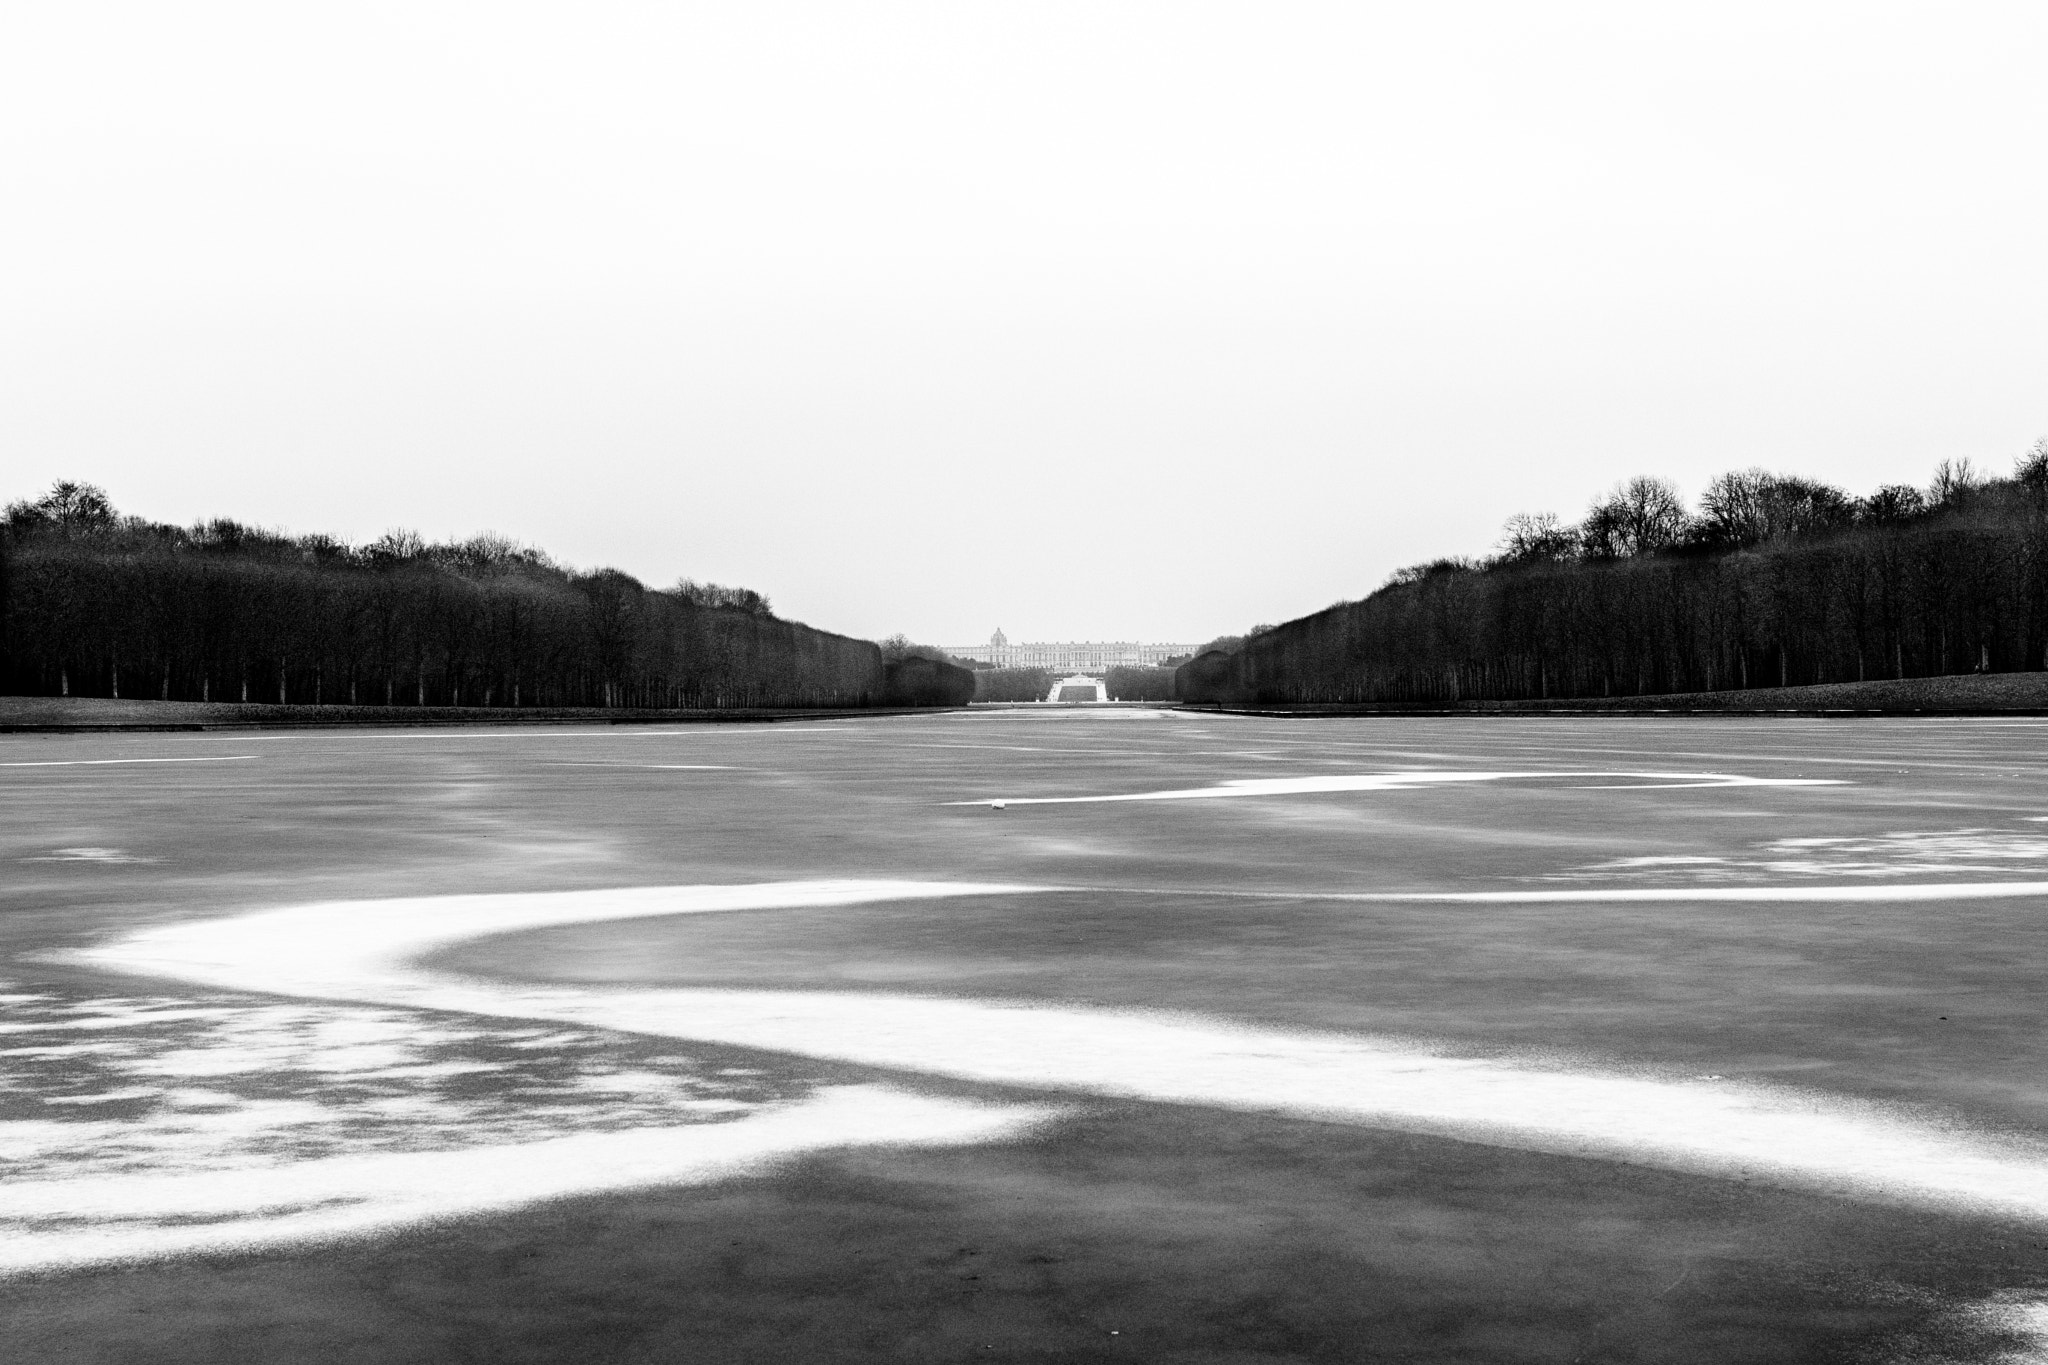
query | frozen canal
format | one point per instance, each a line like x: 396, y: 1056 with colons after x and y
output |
x: 1086, y: 1033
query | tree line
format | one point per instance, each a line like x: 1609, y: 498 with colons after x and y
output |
x: 1012, y: 684
x: 1124, y: 683
x: 1139, y: 682
x: 1772, y: 580
x: 96, y: 604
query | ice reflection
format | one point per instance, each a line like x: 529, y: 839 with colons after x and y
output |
x: 1913, y: 853
x: 107, y: 1085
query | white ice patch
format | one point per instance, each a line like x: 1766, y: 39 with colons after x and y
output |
x: 362, y: 1112
x: 1924, y: 854
x: 659, y: 767
x: 86, y: 855
x: 2027, y: 1316
x: 1643, y: 864
x: 1403, y: 780
x: 252, y: 1083
x: 2027, y: 1320
x: 61, y: 1223
x: 1935, y: 891
x: 2019, y: 1315
x: 105, y: 762
x: 361, y: 950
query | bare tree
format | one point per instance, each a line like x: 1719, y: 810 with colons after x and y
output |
x: 1528, y: 537
x: 1733, y: 508
x: 718, y: 595
x: 2031, y: 468
x: 1954, y: 482
x: 398, y: 543
x: 69, y: 505
x: 1415, y: 573
x: 899, y: 646
x: 1641, y: 516
x: 1750, y: 506
x: 1893, y: 505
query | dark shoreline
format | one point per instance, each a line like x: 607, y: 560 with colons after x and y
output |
x: 1987, y: 694
x: 1994, y: 694
x: 95, y: 715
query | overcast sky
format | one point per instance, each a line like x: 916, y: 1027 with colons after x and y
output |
x: 1089, y: 321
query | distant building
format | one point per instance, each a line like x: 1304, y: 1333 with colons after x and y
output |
x: 1068, y: 656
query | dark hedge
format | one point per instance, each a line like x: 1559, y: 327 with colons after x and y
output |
x: 99, y: 606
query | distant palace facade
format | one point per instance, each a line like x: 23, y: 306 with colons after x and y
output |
x: 1068, y: 656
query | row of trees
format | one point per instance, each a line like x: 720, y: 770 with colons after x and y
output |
x: 96, y: 604
x: 1771, y: 581
x: 1139, y: 682
x: 1012, y: 684
x: 1125, y: 683
x: 1744, y: 507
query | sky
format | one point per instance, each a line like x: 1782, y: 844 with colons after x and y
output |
x: 1088, y: 321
